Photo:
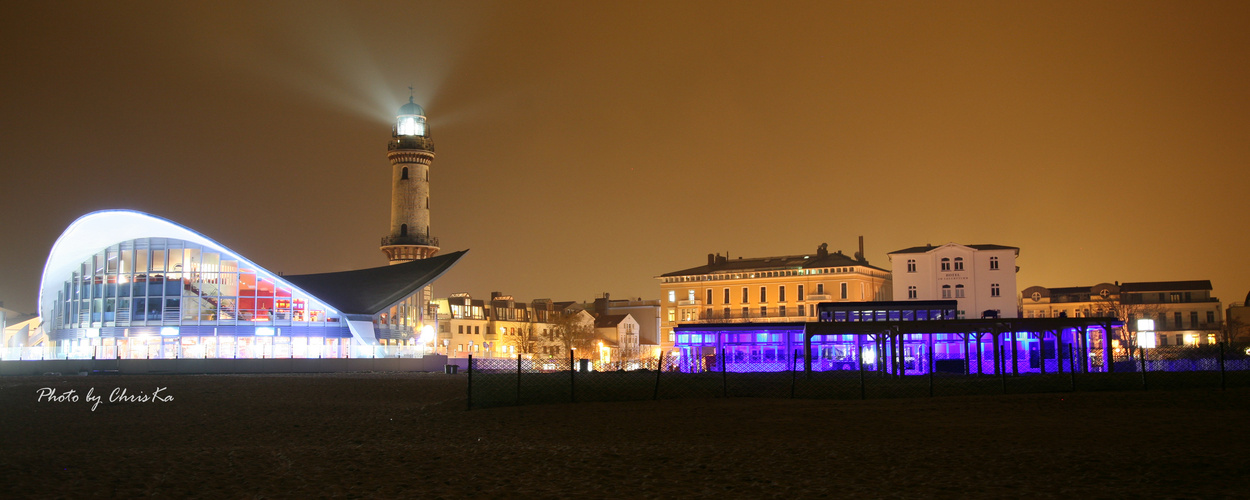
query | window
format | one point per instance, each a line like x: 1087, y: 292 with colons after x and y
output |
x: 763, y: 311
x: 781, y: 294
x: 746, y: 312
x: 1177, y: 316
x: 946, y: 291
x: 1163, y: 321
x: 672, y: 296
x: 404, y: 175
x: 781, y: 311
x: 800, y: 294
x: 1193, y: 319
x: 477, y: 330
x: 994, y: 290
x: 744, y: 295
x: 672, y: 315
x: 959, y: 263
x: 1163, y: 339
x: 844, y: 292
x: 726, y: 313
x: 708, y: 313
x: 1175, y: 297
x: 1210, y: 317
x: 946, y: 264
x: 1180, y: 339
x: 460, y: 329
x: 820, y: 289
x: 690, y: 295
x: 993, y: 263
x: 911, y: 292
x: 763, y: 294
x: 726, y: 296
x: 911, y: 265
x: 403, y: 230
x: 709, y: 299
x: 959, y: 291
x: 801, y: 312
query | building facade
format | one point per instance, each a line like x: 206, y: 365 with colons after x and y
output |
x: 766, y: 289
x: 126, y: 284
x: 1184, y: 312
x: 982, y: 278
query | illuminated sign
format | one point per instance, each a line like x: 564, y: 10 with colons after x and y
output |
x: 169, y: 331
x: 265, y: 331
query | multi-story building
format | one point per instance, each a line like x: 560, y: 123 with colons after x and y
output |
x: 645, y: 312
x: 1184, y: 312
x: 617, y: 337
x: 982, y: 278
x: 504, y: 327
x: 766, y: 289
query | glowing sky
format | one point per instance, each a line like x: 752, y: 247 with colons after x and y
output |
x: 586, y: 147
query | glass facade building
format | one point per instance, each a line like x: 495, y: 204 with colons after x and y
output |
x: 123, y: 284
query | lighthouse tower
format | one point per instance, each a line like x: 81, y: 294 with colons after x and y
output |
x: 411, y: 151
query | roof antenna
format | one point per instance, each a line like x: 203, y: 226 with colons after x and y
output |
x: 410, y: 93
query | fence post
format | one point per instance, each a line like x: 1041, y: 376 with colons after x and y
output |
x: 572, y: 378
x: 793, y: 380
x: 470, y: 392
x: 861, y: 373
x: 659, y: 367
x: 518, y: 379
x: 1143, y: 367
x: 930, y: 349
x: 724, y: 379
x: 1003, y: 372
x: 1072, y: 365
x: 1222, y: 386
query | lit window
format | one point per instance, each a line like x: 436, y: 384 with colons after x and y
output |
x: 672, y: 296
x: 690, y: 295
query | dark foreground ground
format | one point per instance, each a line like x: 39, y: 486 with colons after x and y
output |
x: 408, y: 435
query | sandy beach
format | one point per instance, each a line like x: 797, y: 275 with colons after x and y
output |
x: 408, y: 435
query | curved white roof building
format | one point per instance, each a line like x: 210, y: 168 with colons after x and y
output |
x: 138, y: 285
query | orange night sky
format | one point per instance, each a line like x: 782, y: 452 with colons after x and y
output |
x: 586, y: 147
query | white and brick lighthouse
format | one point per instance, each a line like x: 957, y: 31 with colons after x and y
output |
x: 411, y: 151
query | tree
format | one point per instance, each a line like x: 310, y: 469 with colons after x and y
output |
x: 524, y: 338
x: 574, y: 331
x: 1235, y: 331
x: 1127, y: 312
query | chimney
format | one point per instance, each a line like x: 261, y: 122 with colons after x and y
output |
x: 822, y: 250
x: 711, y: 259
x: 601, y: 305
x: 859, y: 256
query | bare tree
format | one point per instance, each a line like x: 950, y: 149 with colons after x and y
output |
x: 1235, y: 331
x: 524, y: 338
x: 1127, y: 312
x: 572, y: 331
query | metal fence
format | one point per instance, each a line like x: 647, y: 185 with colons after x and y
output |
x: 520, y: 381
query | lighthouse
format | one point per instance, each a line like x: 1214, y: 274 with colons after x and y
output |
x: 411, y: 152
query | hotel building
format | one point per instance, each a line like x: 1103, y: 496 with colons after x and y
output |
x: 766, y: 289
x: 982, y: 278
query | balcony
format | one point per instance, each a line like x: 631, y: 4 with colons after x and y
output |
x: 819, y: 297
x: 412, y: 239
x: 411, y: 142
x: 689, y: 302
